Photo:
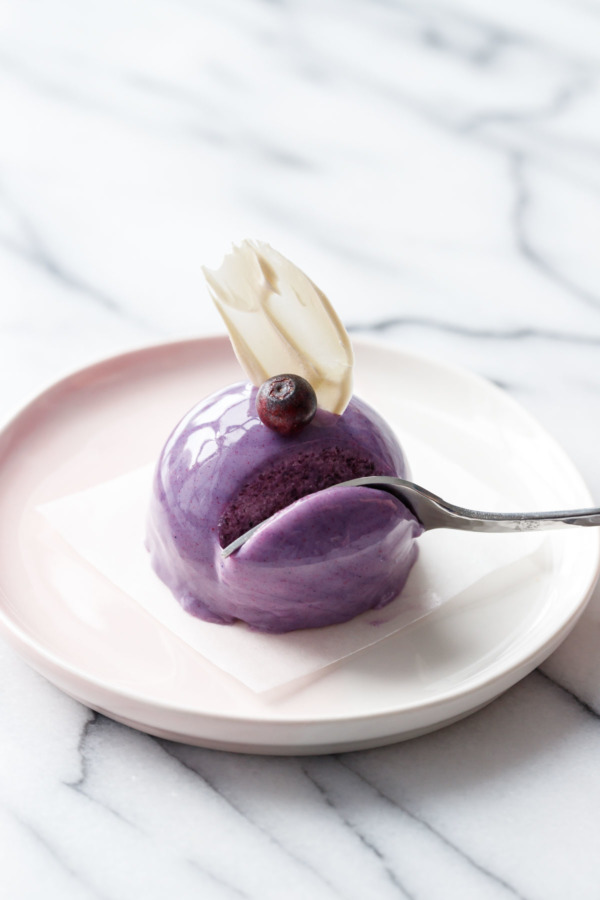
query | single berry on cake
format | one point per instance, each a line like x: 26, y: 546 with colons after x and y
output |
x: 286, y: 403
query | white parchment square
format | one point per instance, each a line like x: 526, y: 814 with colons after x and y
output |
x: 106, y: 524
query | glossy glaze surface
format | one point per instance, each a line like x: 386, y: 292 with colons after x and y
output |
x: 324, y: 559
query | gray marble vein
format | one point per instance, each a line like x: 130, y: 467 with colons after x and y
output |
x: 435, y: 168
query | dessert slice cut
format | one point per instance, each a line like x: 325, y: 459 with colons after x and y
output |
x: 284, y: 481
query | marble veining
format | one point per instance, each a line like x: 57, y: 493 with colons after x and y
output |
x: 435, y: 167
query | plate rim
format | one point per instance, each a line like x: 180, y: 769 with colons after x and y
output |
x: 20, y: 639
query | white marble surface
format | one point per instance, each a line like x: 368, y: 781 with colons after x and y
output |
x: 435, y: 167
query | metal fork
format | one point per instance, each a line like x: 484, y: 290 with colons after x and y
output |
x: 433, y: 512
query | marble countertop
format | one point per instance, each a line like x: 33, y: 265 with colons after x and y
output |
x: 435, y: 167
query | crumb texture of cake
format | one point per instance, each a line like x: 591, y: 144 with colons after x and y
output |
x: 286, y: 481
x: 325, y: 556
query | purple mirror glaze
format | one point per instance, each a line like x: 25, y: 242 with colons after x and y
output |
x: 325, y: 557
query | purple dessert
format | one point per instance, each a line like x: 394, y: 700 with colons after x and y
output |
x: 326, y: 556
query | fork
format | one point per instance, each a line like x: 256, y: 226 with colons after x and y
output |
x: 433, y: 512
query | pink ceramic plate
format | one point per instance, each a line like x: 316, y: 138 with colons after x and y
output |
x: 99, y: 646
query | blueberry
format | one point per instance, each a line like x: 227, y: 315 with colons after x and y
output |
x: 286, y: 403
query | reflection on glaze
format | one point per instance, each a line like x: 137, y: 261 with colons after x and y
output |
x: 322, y: 560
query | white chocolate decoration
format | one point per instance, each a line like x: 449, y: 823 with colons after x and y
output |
x: 280, y: 322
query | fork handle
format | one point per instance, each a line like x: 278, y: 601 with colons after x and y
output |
x: 474, y: 520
